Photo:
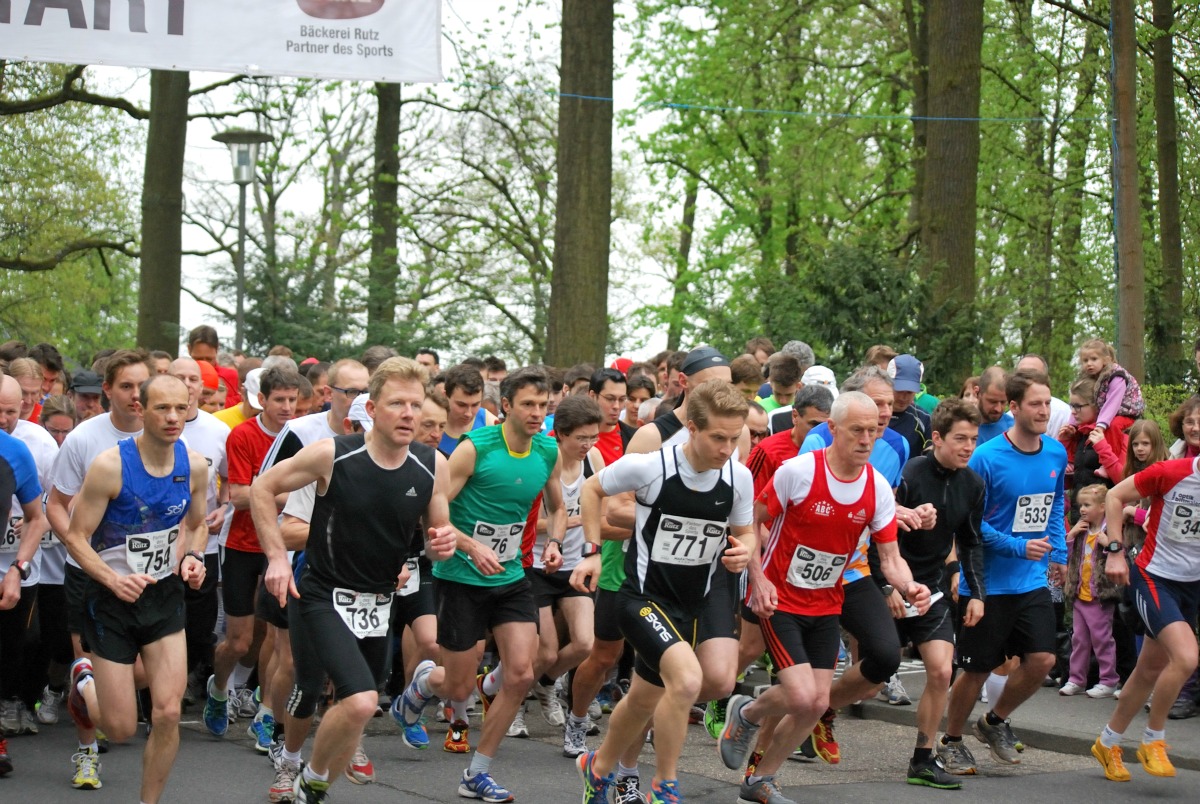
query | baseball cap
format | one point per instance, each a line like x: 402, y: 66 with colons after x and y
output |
x: 86, y: 382
x: 622, y: 364
x: 208, y: 374
x: 906, y: 373
x: 253, y: 377
x: 821, y: 375
x: 701, y: 358
x: 358, y: 412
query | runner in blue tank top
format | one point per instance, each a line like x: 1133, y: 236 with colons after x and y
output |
x: 139, y: 538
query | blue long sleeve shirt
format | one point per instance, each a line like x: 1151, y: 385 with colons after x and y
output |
x: 1023, y: 500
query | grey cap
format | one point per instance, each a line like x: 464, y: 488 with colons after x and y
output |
x: 86, y: 382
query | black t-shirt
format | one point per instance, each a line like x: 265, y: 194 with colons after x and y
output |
x: 364, y: 526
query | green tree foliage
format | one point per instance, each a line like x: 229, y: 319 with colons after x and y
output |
x: 65, y: 187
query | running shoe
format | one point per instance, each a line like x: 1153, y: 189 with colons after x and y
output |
x: 665, y: 792
x: 1102, y: 691
x: 360, y: 770
x: 87, y: 770
x: 896, y: 696
x: 1112, y: 761
x: 6, y: 765
x: 1000, y: 740
x: 456, y: 738
x: 574, y: 739
x: 552, y: 709
x: 284, y: 786
x: 714, y: 717
x: 10, y: 721
x: 102, y: 742
x: 248, y: 701
x: 805, y: 750
x: 262, y: 729
x: 1181, y: 710
x: 627, y: 790
x: 47, y: 707
x: 26, y: 722
x: 1153, y: 756
x: 764, y: 791
x: 1070, y: 688
x: 80, y: 669
x: 216, y: 713
x: 930, y: 773
x: 824, y: 743
x: 484, y: 698
x: 604, y: 698
x: 415, y: 736
x: 408, y: 706
x: 956, y: 758
x: 595, y: 711
x: 309, y: 792
x: 518, y: 728
x: 595, y: 788
x: 483, y: 787
x: 737, y: 739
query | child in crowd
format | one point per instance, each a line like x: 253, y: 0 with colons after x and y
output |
x: 1118, y: 395
x: 1146, y: 447
x: 1095, y: 599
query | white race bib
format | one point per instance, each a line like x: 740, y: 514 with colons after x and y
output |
x: 10, y: 540
x: 814, y: 569
x: 687, y: 542
x: 414, y: 578
x: 505, y: 540
x: 363, y: 613
x: 1033, y: 513
x: 50, y: 539
x: 152, y: 554
x: 1185, y: 524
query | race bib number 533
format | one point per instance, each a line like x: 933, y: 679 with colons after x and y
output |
x: 1033, y: 513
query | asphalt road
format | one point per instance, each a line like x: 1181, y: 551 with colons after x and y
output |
x: 875, y: 755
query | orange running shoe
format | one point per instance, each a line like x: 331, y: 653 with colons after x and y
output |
x: 824, y: 743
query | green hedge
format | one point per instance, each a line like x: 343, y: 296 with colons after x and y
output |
x: 1161, y: 402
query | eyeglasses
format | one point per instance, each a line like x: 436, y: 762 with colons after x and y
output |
x: 759, y: 434
x: 1076, y: 406
x: 613, y: 399
x: 350, y: 391
x: 56, y: 432
x: 586, y: 441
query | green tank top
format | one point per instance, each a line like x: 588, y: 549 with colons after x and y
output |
x: 612, y: 565
x: 494, y: 504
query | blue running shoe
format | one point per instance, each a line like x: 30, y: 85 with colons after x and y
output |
x: 483, y: 787
x: 416, y: 737
x: 262, y: 729
x: 665, y: 792
x: 216, y: 713
x: 406, y: 709
x: 595, y: 788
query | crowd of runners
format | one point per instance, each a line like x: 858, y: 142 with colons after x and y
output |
x: 292, y: 547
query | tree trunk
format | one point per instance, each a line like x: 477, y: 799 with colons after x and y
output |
x: 680, y: 289
x: 162, y: 213
x: 917, y: 25
x: 577, y: 329
x: 384, y: 268
x: 1166, y: 338
x: 948, y: 214
x: 1131, y: 286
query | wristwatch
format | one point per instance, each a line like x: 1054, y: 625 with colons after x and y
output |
x: 590, y: 549
x: 887, y: 589
x: 1114, y: 547
x: 23, y: 569
x: 196, y: 554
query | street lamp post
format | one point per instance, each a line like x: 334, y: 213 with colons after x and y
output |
x: 243, y: 149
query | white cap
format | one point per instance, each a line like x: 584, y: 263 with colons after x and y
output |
x: 358, y: 412
x: 821, y: 375
x: 253, y: 376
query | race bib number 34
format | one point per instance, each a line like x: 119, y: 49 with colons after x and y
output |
x: 152, y: 553
x: 687, y: 542
x: 1185, y: 524
x: 1033, y: 513
x: 505, y: 540
x: 814, y: 569
x: 364, y: 613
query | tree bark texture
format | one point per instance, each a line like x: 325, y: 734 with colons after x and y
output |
x: 577, y: 327
x: 948, y: 214
x: 162, y: 213
x: 1167, y: 336
x: 384, y: 268
x: 1131, y: 286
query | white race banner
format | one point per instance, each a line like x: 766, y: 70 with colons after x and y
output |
x: 372, y: 40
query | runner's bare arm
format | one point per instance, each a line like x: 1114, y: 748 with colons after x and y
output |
x: 556, y: 513
x: 441, y: 536
x: 896, y: 570
x: 313, y: 464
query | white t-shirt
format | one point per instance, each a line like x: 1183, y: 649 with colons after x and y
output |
x: 44, y: 449
x: 81, y: 447
x: 206, y: 434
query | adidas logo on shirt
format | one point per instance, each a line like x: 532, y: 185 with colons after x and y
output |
x: 412, y: 492
x: 859, y: 517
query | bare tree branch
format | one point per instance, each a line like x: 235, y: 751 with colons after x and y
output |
x: 67, y: 251
x: 207, y: 303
